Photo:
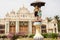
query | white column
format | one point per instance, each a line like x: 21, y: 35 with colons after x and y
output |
x: 53, y: 30
x: 7, y: 27
x: 30, y: 27
x: 56, y: 28
x: 47, y: 27
x: 17, y: 26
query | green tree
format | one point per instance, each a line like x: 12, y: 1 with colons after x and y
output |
x: 57, y: 17
x: 58, y: 20
x: 49, y: 19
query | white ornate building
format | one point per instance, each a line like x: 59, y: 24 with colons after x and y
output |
x: 22, y: 22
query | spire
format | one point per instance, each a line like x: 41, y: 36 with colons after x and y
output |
x: 23, y: 5
x: 7, y: 14
x: 12, y: 11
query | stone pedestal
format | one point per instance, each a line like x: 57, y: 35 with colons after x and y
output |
x: 38, y: 35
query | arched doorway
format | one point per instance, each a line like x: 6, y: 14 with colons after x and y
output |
x: 43, y: 28
x: 33, y: 28
x: 55, y: 30
x: 23, y: 27
x: 2, y: 29
x: 12, y: 25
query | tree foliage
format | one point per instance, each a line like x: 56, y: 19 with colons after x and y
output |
x: 49, y: 19
x: 57, y: 17
x: 58, y: 20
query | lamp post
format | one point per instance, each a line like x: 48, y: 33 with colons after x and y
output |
x: 37, y: 12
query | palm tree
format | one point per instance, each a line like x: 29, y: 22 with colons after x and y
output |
x: 57, y: 17
x: 49, y: 19
x: 58, y: 20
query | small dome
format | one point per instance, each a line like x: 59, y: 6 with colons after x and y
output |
x: 13, y: 12
x: 23, y: 10
x: 7, y: 14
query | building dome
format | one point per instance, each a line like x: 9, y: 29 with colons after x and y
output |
x: 23, y: 10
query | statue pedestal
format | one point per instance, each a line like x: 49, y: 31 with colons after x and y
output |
x: 38, y: 35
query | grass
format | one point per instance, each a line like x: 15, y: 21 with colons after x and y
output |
x: 50, y: 39
x: 32, y: 39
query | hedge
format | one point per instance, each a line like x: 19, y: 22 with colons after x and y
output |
x: 50, y: 35
x: 46, y: 35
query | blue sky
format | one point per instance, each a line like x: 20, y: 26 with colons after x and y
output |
x: 51, y: 8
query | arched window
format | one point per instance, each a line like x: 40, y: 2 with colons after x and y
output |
x: 12, y: 23
x: 54, y: 24
x: 2, y: 29
x: 43, y: 29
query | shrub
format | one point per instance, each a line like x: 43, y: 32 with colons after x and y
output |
x: 45, y: 35
x: 54, y: 35
x: 50, y: 35
x: 31, y: 36
x: 26, y: 36
x: 4, y: 36
x: 15, y: 37
x: 0, y: 37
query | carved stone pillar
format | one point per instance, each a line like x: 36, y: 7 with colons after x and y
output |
x: 30, y: 27
x: 6, y: 27
x: 17, y: 26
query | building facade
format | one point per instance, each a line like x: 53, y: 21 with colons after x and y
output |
x: 22, y: 21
